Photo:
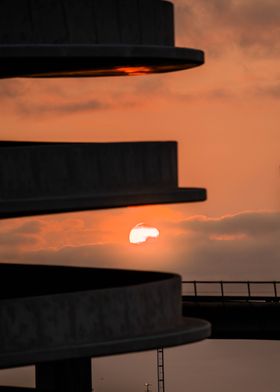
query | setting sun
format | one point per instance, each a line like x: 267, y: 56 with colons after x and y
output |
x: 141, y: 233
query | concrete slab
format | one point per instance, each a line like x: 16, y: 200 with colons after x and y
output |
x: 45, y: 38
x: 44, y: 178
x: 71, y: 312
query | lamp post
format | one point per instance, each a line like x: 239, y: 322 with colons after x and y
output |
x: 148, y: 387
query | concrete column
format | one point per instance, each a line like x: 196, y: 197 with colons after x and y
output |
x: 71, y: 375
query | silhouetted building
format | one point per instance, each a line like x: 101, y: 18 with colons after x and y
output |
x: 64, y: 316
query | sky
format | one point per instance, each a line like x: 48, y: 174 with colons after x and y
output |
x: 225, y: 117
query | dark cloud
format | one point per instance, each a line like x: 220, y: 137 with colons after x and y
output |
x: 149, y: 86
x: 218, y: 94
x: 241, y: 246
x: 253, y: 224
x: 108, y: 255
x: 13, y: 239
x: 31, y: 227
x: 233, y: 260
x: 27, y: 98
x: 270, y: 91
x: 159, y: 88
x: 253, y: 25
x: 32, y: 108
x: 12, y: 88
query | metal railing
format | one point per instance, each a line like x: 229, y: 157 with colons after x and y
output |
x: 255, y: 290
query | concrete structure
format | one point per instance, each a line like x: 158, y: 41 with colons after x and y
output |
x: 236, y: 309
x: 44, y: 38
x: 43, y: 178
x: 89, y: 312
x: 64, y: 316
x: 237, y: 319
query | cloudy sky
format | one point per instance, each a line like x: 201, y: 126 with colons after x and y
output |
x: 225, y: 117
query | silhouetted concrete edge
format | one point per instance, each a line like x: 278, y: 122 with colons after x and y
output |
x: 248, y: 319
x: 90, y: 38
x: 14, y: 209
x: 42, y: 178
x: 72, y: 312
x: 192, y: 330
x: 90, y: 61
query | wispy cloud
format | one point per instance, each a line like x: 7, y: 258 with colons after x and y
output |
x: 252, y: 25
x: 252, y: 224
x: 61, y: 108
x: 27, y: 98
x: 240, y: 246
x: 36, y: 98
x: 271, y: 90
x: 12, y: 88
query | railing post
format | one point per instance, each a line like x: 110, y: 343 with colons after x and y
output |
x: 222, y: 287
x: 249, y: 288
x: 195, y: 288
x: 275, y: 289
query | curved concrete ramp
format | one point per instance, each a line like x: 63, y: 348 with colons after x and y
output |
x: 69, y: 312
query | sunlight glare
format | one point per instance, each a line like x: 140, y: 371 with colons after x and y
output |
x: 141, y: 233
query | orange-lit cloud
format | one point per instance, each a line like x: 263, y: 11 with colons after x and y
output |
x: 228, y: 237
x: 239, y: 246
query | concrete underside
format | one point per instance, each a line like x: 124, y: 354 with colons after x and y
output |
x: 90, y: 38
x: 247, y: 319
x: 69, y: 312
x: 44, y: 178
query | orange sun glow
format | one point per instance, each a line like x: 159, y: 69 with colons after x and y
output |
x: 141, y: 233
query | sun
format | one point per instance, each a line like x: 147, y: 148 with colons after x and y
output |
x: 142, y: 233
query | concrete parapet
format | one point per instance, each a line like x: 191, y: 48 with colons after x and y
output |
x: 71, y: 312
x: 41, y: 178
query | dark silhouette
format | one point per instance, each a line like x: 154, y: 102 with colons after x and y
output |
x: 64, y: 316
x: 236, y: 309
x: 44, y: 178
x: 90, y: 38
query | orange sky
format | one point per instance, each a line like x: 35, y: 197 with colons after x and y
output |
x: 225, y: 116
